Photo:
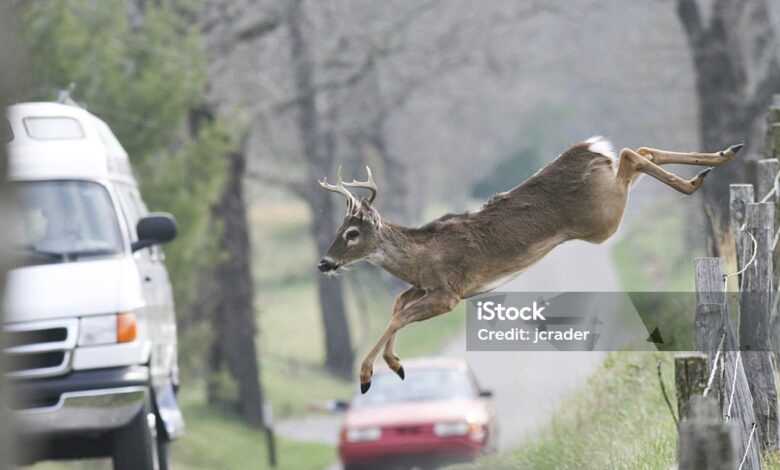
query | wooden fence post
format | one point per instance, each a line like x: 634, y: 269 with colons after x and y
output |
x: 705, y: 442
x: 709, y: 290
x: 740, y: 196
x: 773, y: 128
x: 754, y: 324
x: 766, y: 171
x: 691, y: 372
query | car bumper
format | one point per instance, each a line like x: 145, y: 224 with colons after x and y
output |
x: 429, y: 449
x: 95, y: 400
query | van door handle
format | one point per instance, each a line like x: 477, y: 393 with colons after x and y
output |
x: 147, y: 279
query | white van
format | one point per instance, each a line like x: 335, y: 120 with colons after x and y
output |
x: 89, y: 313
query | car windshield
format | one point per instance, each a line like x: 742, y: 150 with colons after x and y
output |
x: 65, y: 220
x: 419, y: 385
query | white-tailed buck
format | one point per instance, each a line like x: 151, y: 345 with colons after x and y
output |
x: 579, y: 195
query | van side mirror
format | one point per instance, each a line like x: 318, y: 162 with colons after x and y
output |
x: 155, y: 228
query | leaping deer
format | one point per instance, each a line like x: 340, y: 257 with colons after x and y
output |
x: 580, y: 195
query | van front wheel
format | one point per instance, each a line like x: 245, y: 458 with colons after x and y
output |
x: 135, y: 445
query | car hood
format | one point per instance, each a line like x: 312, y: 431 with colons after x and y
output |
x: 72, y: 289
x: 415, y: 413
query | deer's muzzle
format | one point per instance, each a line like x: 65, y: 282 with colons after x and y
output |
x: 327, y: 264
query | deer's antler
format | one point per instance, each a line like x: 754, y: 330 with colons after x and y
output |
x: 352, y: 202
x: 369, y: 184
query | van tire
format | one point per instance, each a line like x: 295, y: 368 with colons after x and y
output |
x: 134, y: 445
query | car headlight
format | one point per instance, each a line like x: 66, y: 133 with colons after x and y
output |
x: 363, y: 434
x: 457, y: 428
x: 107, y: 329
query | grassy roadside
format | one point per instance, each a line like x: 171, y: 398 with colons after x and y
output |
x: 215, y: 439
x: 619, y: 419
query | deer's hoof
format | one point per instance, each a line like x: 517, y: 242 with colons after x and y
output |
x: 364, y: 387
x: 735, y: 148
x: 401, y: 372
x: 702, y: 174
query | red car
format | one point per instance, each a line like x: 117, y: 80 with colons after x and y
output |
x: 437, y: 415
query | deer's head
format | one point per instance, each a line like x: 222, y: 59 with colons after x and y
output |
x: 358, y: 236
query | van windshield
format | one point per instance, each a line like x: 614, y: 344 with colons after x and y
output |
x: 65, y: 220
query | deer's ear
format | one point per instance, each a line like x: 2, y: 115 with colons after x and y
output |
x: 368, y: 213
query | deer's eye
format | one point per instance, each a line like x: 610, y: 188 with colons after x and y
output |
x: 352, y: 234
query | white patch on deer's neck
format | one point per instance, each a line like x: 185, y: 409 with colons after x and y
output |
x: 377, y: 257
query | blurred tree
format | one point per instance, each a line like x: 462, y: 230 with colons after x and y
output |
x: 737, y: 71
x: 509, y: 172
x: 326, y: 97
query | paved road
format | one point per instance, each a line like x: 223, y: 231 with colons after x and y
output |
x: 527, y: 386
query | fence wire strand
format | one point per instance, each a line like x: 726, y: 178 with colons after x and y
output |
x: 715, y: 365
x: 733, y: 387
x: 747, y: 265
x: 747, y: 448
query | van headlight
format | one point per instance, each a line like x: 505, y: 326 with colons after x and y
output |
x: 363, y: 434
x: 107, y: 329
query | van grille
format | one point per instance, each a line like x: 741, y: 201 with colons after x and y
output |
x: 40, y: 349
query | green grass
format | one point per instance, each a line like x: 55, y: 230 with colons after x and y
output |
x: 215, y: 439
x: 619, y: 419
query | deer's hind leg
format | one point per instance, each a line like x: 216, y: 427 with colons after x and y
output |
x: 406, y: 298
x: 632, y: 163
x: 663, y: 157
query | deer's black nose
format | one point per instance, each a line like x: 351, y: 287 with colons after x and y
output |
x: 326, y: 265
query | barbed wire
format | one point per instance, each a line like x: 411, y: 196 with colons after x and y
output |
x: 733, y: 387
x: 747, y: 265
x: 747, y: 448
x: 715, y: 365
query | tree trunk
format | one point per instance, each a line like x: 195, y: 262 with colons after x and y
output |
x: 233, y: 315
x: 338, y: 342
x: 318, y: 152
x: 729, y: 104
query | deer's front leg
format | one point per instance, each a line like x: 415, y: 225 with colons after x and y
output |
x: 406, y: 298
x: 434, y: 302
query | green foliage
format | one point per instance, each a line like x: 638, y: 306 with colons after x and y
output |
x: 186, y: 183
x: 142, y: 81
